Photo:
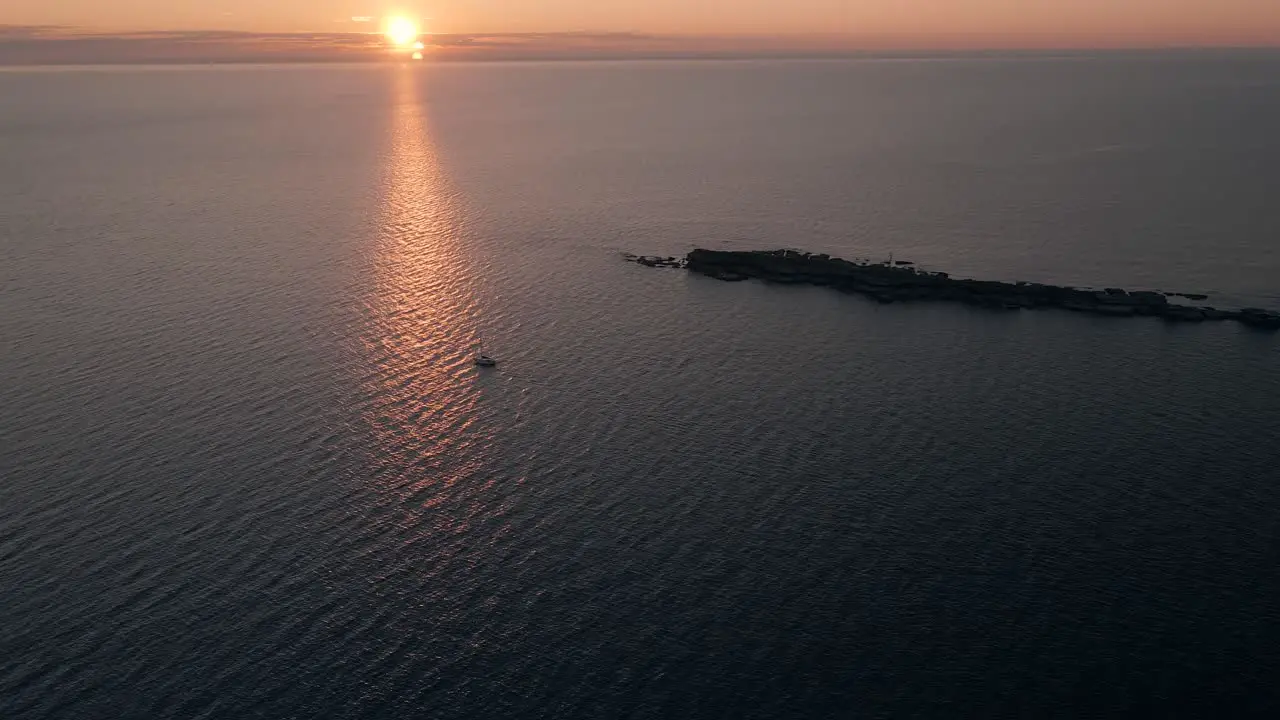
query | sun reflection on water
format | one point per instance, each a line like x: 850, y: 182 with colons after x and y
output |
x: 422, y: 398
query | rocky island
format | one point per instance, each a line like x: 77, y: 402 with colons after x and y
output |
x: 901, y: 281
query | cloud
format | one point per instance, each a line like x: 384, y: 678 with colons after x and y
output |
x: 58, y: 45
x: 27, y: 32
x: 44, y: 44
x: 34, y: 45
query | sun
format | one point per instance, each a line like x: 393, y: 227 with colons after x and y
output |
x: 401, y: 31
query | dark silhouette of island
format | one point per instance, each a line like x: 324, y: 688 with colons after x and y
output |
x: 901, y: 281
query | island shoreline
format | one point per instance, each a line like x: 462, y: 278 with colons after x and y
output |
x: 901, y: 281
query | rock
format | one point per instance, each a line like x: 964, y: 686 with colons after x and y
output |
x: 655, y: 261
x: 1144, y: 297
x: 1117, y: 310
x: 1259, y: 318
x: 892, y: 282
x: 1183, y: 313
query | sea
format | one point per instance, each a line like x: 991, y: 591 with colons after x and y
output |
x: 248, y: 468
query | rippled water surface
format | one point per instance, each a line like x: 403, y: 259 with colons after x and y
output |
x: 249, y: 471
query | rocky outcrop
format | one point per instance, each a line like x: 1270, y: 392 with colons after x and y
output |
x: 1259, y: 318
x: 900, y: 282
x: 655, y: 261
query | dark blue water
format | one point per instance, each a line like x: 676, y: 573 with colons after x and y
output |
x: 249, y: 471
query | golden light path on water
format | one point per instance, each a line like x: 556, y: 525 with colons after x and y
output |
x: 423, y: 390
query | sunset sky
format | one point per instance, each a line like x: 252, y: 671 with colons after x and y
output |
x: 820, y: 24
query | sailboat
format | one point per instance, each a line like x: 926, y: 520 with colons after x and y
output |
x: 481, y: 359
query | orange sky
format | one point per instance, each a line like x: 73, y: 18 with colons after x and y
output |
x: 178, y: 31
x: 915, y: 23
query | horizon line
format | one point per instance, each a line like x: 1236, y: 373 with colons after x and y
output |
x: 60, y: 45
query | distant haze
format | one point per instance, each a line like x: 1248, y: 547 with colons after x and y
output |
x: 27, y: 27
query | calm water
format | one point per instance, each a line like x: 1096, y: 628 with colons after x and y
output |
x: 248, y: 470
